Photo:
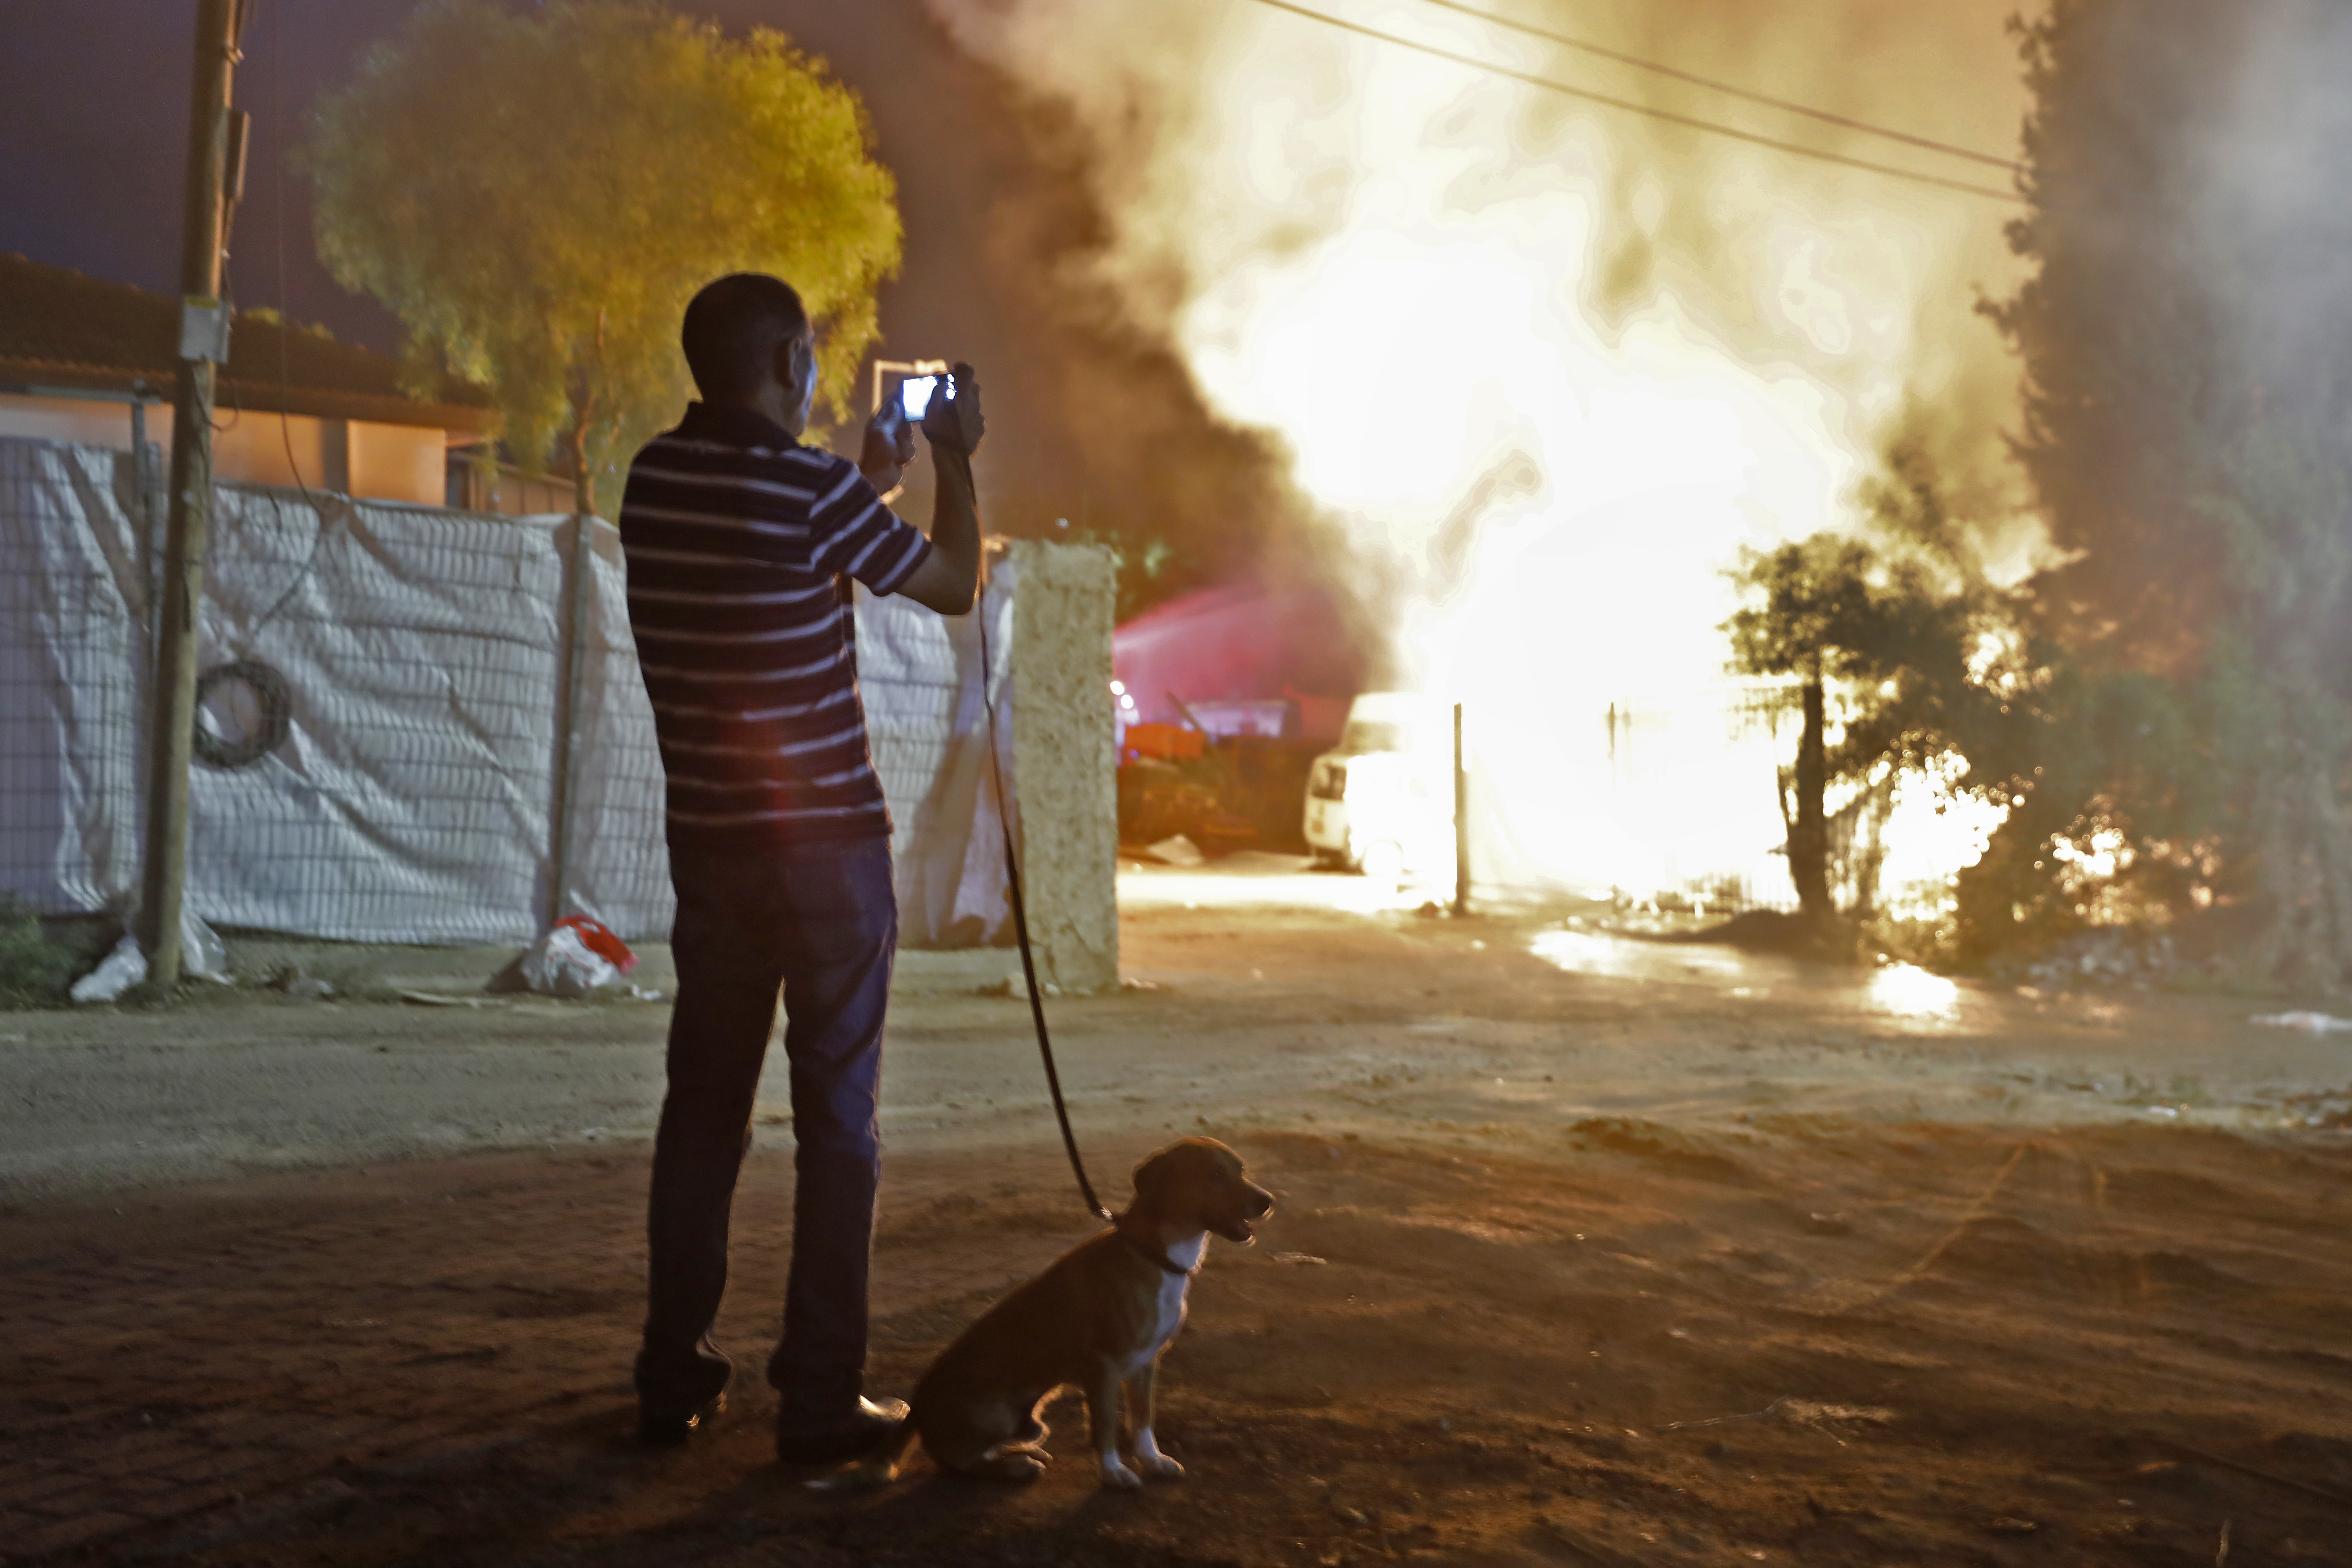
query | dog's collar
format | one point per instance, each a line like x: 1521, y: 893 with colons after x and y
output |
x: 1152, y: 1253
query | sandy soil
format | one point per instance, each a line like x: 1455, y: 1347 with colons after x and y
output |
x: 1587, y: 1251
x: 1803, y: 1343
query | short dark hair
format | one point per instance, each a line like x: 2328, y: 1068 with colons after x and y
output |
x: 733, y: 328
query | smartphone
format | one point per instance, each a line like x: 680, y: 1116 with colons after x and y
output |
x: 915, y: 396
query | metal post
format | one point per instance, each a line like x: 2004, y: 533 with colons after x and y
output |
x: 569, y: 680
x: 1616, y: 890
x: 144, y: 486
x: 1461, y: 821
x: 139, y: 461
x: 143, y: 511
x: 204, y: 341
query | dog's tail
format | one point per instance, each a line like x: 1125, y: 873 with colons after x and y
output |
x: 873, y: 1472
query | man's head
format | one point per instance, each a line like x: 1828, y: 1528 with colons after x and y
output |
x: 747, y: 342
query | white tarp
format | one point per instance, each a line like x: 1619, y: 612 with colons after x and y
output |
x: 920, y: 677
x: 411, y: 799
x: 73, y: 608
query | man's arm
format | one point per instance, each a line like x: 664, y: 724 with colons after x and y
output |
x: 949, y: 579
x: 889, y: 447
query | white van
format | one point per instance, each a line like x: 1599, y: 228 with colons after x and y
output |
x: 1382, y: 802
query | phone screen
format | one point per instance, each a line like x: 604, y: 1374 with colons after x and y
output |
x: 915, y: 396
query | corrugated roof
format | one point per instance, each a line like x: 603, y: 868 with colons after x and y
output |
x: 59, y: 327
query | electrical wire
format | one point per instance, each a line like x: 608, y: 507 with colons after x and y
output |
x: 277, y: 242
x: 1788, y: 106
x: 1668, y: 116
x: 1095, y: 1204
x: 285, y: 329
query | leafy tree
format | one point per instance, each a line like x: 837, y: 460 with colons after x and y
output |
x: 2189, y: 405
x: 1817, y: 605
x: 536, y: 193
x: 1890, y: 622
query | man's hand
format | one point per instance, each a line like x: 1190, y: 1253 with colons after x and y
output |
x: 889, y: 447
x: 956, y: 423
x: 949, y: 579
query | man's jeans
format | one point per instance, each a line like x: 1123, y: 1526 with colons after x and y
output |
x: 822, y: 924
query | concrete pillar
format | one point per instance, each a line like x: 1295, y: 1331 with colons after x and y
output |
x: 1065, y: 763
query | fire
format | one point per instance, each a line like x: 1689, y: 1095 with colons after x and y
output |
x: 1397, y: 264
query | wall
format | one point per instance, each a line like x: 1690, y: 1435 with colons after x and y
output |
x: 398, y: 462
x: 74, y: 419
x: 359, y: 458
x: 251, y: 448
x: 1065, y: 763
x: 504, y: 490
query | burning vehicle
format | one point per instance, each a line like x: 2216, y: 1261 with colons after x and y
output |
x: 1381, y: 802
x: 1223, y: 700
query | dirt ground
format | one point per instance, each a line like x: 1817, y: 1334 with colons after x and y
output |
x: 1587, y: 1251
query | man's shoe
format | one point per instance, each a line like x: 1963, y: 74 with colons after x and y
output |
x: 864, y: 1428
x: 663, y: 1429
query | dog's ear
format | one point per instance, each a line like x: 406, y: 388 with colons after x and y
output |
x: 1150, y: 1177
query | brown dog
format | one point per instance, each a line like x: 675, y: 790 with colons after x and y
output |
x: 1098, y: 1318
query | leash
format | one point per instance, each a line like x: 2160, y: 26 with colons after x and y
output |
x: 1020, y: 906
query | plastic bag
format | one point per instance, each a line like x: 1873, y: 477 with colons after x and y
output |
x: 117, y: 972
x: 599, y: 939
x: 2309, y: 1023
x: 202, y: 957
x: 576, y: 956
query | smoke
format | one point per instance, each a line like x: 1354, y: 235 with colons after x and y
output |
x: 1545, y: 367
x: 2189, y: 397
x: 2271, y: 242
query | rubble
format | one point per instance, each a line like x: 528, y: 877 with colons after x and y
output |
x: 2102, y: 956
x: 1177, y: 850
x: 299, y: 984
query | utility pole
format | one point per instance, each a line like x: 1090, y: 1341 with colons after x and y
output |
x: 215, y: 168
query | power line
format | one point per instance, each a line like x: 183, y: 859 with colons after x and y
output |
x: 1823, y: 115
x: 284, y: 330
x: 1690, y: 121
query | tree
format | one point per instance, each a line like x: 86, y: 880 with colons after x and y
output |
x: 1817, y: 601
x: 2189, y: 400
x: 1891, y: 621
x: 537, y: 194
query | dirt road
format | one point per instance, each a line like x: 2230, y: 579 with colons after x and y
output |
x: 1589, y: 1251
x: 1278, y: 999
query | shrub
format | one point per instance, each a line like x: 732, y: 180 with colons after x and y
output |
x: 34, y: 969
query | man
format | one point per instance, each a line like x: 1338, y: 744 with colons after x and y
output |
x: 740, y: 543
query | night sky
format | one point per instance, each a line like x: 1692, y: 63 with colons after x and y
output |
x: 93, y: 114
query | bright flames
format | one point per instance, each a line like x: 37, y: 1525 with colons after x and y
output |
x: 1394, y: 264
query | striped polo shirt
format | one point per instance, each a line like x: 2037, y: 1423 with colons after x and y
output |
x: 741, y: 543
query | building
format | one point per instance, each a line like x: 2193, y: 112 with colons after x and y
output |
x: 86, y: 361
